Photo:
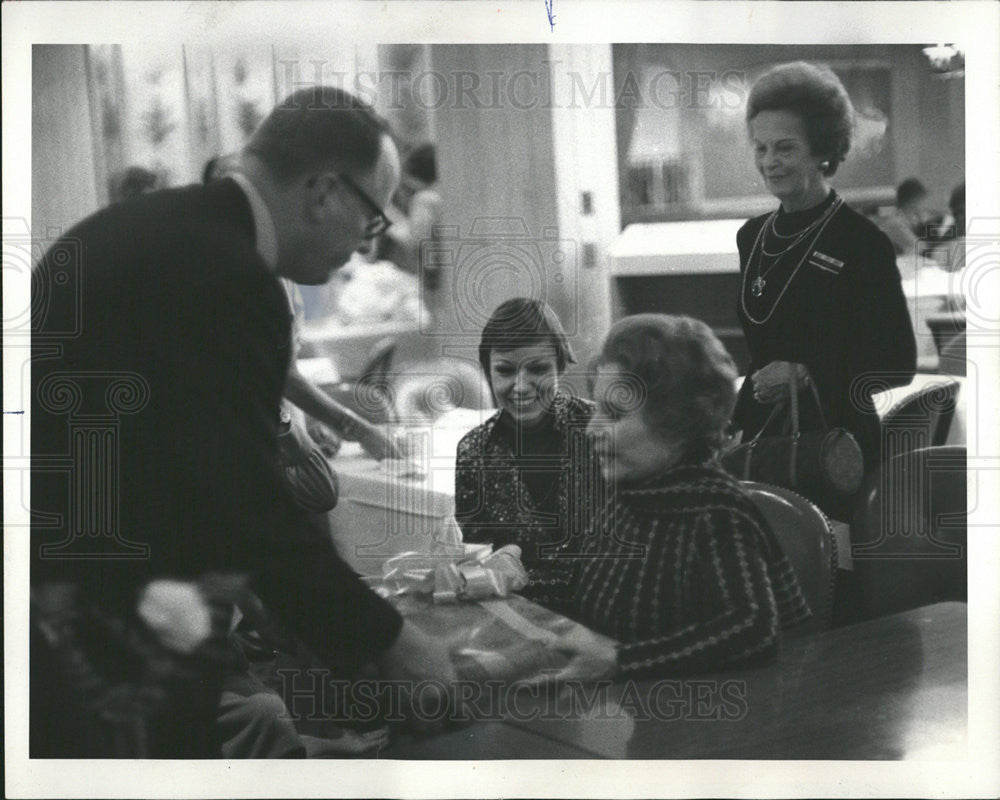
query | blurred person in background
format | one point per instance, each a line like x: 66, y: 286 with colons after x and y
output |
x: 950, y: 255
x: 415, y: 211
x: 911, y: 220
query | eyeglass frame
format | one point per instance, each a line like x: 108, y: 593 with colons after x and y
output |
x: 378, y: 222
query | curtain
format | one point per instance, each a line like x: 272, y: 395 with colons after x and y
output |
x: 170, y: 108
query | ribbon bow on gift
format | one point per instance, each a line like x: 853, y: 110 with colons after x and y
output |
x: 462, y: 572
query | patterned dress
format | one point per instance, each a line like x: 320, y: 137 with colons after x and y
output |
x: 683, y: 571
x: 531, y: 487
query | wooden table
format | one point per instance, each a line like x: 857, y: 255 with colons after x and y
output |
x: 888, y: 689
x: 483, y: 741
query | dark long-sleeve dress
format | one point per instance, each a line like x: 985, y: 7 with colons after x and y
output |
x: 834, y: 303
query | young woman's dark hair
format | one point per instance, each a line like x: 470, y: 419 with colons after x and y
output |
x: 523, y: 322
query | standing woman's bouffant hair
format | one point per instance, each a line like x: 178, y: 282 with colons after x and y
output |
x: 683, y: 375
x: 523, y: 322
x: 817, y: 97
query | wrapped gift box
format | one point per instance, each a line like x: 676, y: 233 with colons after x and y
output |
x: 509, y: 639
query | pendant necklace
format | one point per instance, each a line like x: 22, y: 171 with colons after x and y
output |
x: 771, y: 230
x: 759, y: 283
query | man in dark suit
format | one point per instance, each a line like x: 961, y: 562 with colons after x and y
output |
x: 161, y: 344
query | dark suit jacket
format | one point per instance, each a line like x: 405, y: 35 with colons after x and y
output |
x: 160, y: 347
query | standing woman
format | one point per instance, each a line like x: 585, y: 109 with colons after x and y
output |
x: 528, y: 474
x: 820, y: 291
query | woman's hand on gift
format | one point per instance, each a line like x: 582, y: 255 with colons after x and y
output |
x: 770, y: 383
x: 590, y: 658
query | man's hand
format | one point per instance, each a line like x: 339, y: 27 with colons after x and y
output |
x: 319, y: 405
x: 770, y: 383
x: 412, y: 659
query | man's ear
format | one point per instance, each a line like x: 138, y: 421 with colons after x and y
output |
x: 320, y: 193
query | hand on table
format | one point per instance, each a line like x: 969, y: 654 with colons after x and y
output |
x: 378, y: 443
x: 415, y: 659
x: 591, y: 658
x: 326, y: 440
x: 770, y: 383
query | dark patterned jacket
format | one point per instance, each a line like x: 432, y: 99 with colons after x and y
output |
x: 492, y: 502
x: 683, y: 571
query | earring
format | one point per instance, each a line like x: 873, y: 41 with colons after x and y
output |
x: 824, y: 166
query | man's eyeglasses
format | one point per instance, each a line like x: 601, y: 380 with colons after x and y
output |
x: 378, y: 222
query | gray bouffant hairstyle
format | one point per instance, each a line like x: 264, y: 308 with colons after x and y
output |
x: 682, y: 373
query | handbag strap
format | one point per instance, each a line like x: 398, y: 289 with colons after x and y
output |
x: 793, y: 387
x: 793, y: 394
x: 770, y: 418
x: 819, y: 405
x: 793, y: 399
x: 793, y: 391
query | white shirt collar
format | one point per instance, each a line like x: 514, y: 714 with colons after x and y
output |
x: 267, y: 235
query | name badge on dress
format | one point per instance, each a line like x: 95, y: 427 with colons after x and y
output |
x: 826, y: 263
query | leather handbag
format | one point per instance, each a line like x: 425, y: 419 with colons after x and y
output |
x: 307, y: 472
x: 824, y: 465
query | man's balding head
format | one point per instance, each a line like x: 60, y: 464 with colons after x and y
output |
x: 326, y: 165
x: 316, y: 129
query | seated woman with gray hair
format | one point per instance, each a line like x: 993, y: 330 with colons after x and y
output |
x: 682, y: 569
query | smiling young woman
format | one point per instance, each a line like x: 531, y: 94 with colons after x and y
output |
x: 527, y: 475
